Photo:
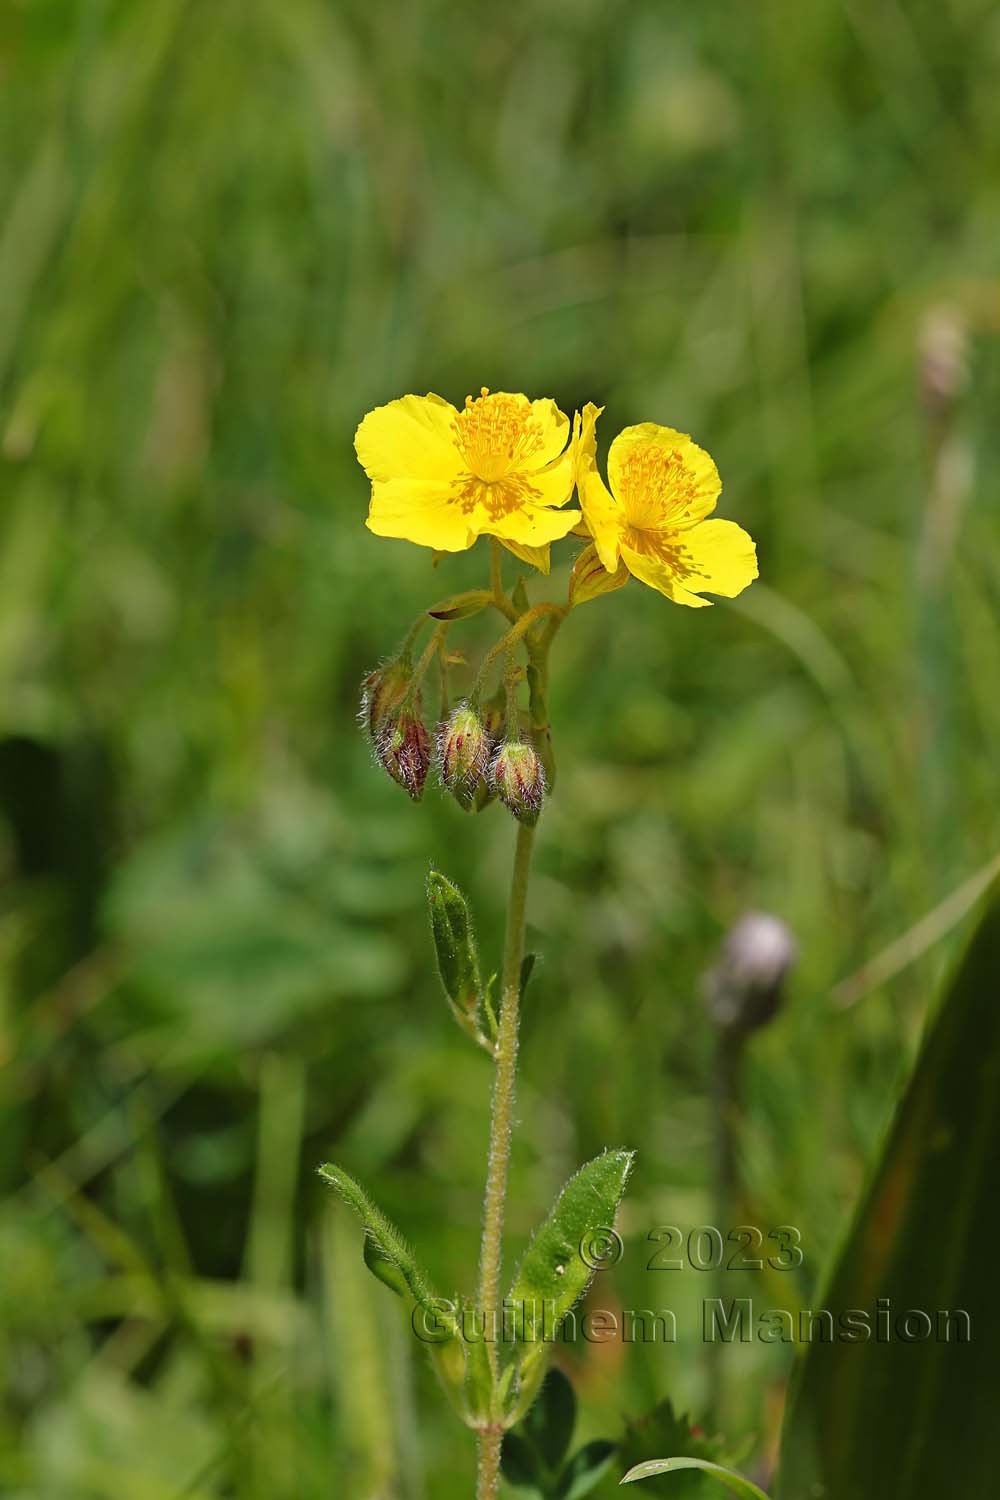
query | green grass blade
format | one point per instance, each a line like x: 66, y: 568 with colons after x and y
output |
x: 879, y: 1406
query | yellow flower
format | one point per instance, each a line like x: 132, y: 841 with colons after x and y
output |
x: 653, y: 517
x: 441, y: 477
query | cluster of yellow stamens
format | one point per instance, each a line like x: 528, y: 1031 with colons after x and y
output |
x: 656, y: 488
x: 496, y: 434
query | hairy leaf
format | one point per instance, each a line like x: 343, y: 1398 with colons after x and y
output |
x: 559, y: 1263
x: 455, y: 949
x: 386, y: 1252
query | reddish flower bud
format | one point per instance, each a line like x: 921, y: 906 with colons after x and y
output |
x: 403, y: 746
x: 519, y: 778
x: 382, y: 691
x: 464, y: 751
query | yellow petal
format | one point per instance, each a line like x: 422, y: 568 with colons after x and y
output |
x: 531, y: 525
x: 661, y: 478
x: 538, y: 557
x: 553, y: 485
x: 717, y: 556
x: 421, y: 511
x: 411, y: 438
x: 584, y: 444
x: 553, y: 426
x: 603, y: 516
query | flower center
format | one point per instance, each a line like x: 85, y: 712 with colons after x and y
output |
x: 496, y: 434
x: 656, y: 487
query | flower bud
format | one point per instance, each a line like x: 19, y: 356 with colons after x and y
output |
x: 743, y: 990
x: 464, y: 751
x: 403, y: 746
x: 382, y: 691
x: 519, y: 778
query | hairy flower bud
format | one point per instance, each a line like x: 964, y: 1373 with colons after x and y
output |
x: 403, y: 746
x: 382, y: 691
x: 519, y: 778
x: 743, y: 990
x: 464, y: 751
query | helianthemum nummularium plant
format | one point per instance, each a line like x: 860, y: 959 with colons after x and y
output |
x: 505, y: 468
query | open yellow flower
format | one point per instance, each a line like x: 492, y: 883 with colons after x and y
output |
x: 441, y: 477
x: 652, y: 518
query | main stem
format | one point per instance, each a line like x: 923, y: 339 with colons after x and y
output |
x: 491, y: 1251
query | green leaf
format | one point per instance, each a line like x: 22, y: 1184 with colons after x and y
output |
x: 386, y: 1253
x: 479, y: 1379
x: 587, y: 1466
x: 488, y: 1010
x: 872, y: 1414
x: 519, y: 1463
x: 455, y: 949
x: 528, y: 963
x: 549, y: 1423
x: 383, y: 1268
x: 734, y: 1482
x: 554, y: 1273
x: 662, y: 1430
x: 461, y: 606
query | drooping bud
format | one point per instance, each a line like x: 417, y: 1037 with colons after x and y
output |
x: 518, y: 776
x: 403, y: 746
x: 382, y: 691
x: 743, y: 990
x: 464, y: 752
x: 493, y: 722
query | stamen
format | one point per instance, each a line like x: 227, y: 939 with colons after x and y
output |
x: 496, y: 434
x: 656, y: 486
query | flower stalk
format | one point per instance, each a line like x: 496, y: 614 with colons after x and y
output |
x: 498, y: 1162
x: 505, y: 467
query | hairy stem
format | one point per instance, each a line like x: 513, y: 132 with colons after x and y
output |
x: 433, y: 647
x: 491, y: 1251
x: 490, y: 1440
x: 530, y: 618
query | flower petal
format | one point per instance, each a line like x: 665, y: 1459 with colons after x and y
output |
x: 553, y: 485
x: 662, y: 478
x: 538, y: 557
x: 421, y: 511
x: 411, y: 438
x: 603, y: 516
x: 554, y: 429
x: 717, y: 556
x: 532, y: 525
x: 584, y: 443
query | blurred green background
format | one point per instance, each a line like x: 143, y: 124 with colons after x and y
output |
x: 227, y: 231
